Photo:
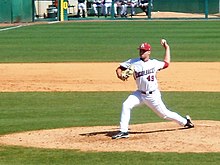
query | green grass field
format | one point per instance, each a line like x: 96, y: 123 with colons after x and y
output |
x: 110, y: 41
x: 102, y: 41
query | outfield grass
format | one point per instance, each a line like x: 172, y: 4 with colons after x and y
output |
x: 110, y: 41
x: 42, y: 110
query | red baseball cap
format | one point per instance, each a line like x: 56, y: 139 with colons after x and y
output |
x: 145, y: 46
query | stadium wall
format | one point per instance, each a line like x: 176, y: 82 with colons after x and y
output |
x: 16, y: 11
x: 186, y: 6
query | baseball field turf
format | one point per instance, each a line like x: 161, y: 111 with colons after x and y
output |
x: 196, y: 41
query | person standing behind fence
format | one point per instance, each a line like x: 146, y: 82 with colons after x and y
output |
x: 124, y: 5
x: 143, y: 4
x: 97, y: 5
x: 132, y: 4
x: 117, y: 5
x: 128, y: 3
x: 81, y: 7
x: 107, y: 7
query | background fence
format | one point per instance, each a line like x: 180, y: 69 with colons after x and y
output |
x: 34, y: 10
x: 16, y: 11
x: 186, y: 8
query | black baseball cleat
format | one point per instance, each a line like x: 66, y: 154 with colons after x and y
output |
x: 189, y: 123
x: 121, y: 135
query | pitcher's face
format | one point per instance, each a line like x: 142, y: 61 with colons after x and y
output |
x: 144, y: 55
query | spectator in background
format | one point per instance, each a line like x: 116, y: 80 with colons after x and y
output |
x: 82, y: 7
x: 143, y: 4
x: 128, y: 3
x: 124, y: 6
x: 132, y: 4
x: 117, y: 5
x: 96, y: 5
x: 108, y: 6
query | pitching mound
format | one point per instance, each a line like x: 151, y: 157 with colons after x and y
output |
x: 152, y: 137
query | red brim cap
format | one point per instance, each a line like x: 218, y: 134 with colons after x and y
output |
x: 145, y: 46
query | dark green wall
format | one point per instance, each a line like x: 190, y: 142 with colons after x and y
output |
x: 188, y: 6
x: 16, y: 10
x: 5, y: 11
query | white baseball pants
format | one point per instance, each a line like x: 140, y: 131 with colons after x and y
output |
x: 154, y: 102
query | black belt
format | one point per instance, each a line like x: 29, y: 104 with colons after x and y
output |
x: 148, y: 92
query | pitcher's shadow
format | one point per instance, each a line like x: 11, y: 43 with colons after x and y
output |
x: 112, y: 133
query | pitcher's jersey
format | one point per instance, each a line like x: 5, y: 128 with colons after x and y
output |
x: 145, y: 72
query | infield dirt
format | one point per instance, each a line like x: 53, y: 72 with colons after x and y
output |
x: 181, y: 76
x: 153, y: 137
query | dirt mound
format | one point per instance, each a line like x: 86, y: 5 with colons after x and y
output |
x: 152, y: 137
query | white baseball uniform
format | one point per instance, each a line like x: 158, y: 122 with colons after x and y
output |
x: 147, y: 92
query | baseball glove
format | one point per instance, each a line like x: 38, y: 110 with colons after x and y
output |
x: 128, y: 72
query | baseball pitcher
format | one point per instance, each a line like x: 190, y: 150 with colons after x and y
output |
x: 144, y: 72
